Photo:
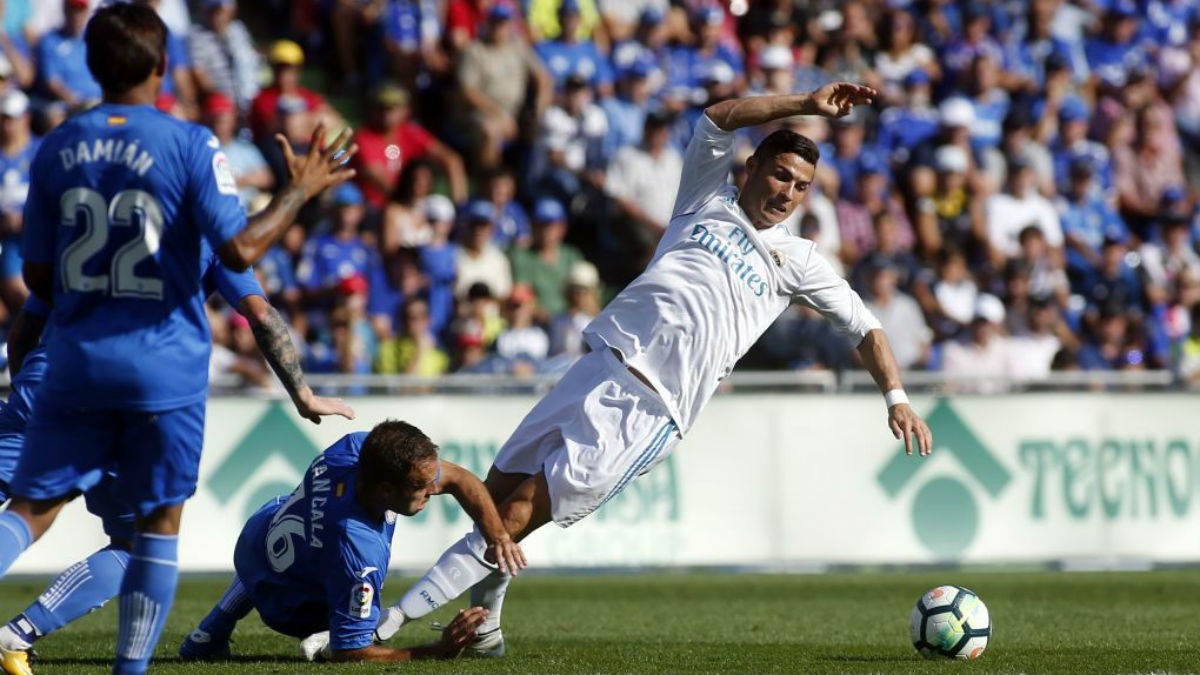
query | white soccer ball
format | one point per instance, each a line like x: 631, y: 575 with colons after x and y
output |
x: 950, y: 621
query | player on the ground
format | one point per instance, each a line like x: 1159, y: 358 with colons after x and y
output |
x: 723, y: 272
x: 89, y: 584
x: 121, y: 198
x: 317, y: 559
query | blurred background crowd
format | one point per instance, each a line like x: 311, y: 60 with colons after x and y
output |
x: 1021, y: 199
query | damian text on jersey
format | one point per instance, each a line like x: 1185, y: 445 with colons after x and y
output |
x: 113, y: 151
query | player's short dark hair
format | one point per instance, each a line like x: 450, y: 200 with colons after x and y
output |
x: 126, y: 43
x: 785, y: 141
x: 392, y: 449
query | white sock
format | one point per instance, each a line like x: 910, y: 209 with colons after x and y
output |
x: 11, y: 641
x: 489, y: 594
x: 460, y: 567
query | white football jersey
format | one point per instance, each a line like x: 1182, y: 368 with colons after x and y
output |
x: 714, y: 286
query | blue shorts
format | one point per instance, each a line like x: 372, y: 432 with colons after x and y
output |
x: 10, y: 257
x: 104, y: 501
x: 10, y: 452
x: 280, y: 609
x: 155, y: 455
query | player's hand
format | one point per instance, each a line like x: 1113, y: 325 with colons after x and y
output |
x: 324, y: 166
x: 507, y: 555
x: 838, y: 99
x: 906, y: 424
x: 312, y: 407
x: 461, y: 631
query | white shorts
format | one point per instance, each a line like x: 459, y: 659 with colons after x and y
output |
x: 597, y: 430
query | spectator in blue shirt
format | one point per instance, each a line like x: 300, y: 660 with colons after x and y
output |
x: 847, y: 152
x: 902, y: 128
x: 1074, y: 145
x: 1167, y: 21
x: 989, y: 100
x: 329, y: 258
x: 649, y: 45
x: 627, y: 110
x: 17, y: 149
x: 958, y: 56
x: 1115, y: 52
x: 509, y: 217
x: 569, y: 55
x: 439, y: 263
x: 690, y: 64
x: 1087, y: 221
x: 61, y: 59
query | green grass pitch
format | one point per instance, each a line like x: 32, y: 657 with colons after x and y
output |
x: 709, y: 623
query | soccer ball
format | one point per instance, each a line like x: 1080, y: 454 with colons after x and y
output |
x: 952, y: 622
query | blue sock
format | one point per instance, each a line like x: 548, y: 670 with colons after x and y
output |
x: 233, y: 606
x: 84, y: 587
x: 146, y: 595
x: 15, y: 537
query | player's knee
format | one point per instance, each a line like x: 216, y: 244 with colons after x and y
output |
x: 163, y: 520
x: 38, y: 514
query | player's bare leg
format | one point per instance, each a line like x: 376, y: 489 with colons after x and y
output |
x: 38, y: 514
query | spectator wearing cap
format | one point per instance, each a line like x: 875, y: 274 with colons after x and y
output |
x: 404, y: 222
x: 902, y: 56
x: 583, y: 304
x: 1145, y: 168
x: 691, y: 63
x: 981, y: 361
x: 286, y: 59
x: 625, y: 113
x: 1019, y: 206
x: 1087, y: 220
x: 178, y: 83
x: 296, y: 124
x: 956, y: 118
x: 946, y: 213
x: 904, y: 126
x: 390, y: 138
x: 777, y: 65
x: 478, y: 258
x: 415, y: 351
x: 17, y: 148
x: 511, y: 220
x: 61, y: 58
x: 493, y: 77
x: 340, y: 252
x: 546, y: 263
x: 958, y: 56
x: 1074, y: 145
x: 250, y: 169
x: 439, y: 263
x: 900, y: 316
x: 223, y: 55
x: 646, y: 44
x: 523, y: 343
x: 571, y: 141
x: 569, y: 54
x: 1114, y: 53
x: 642, y: 181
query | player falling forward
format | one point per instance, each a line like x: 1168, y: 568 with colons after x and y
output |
x: 317, y: 559
x: 723, y: 272
x: 121, y: 200
x: 90, y: 583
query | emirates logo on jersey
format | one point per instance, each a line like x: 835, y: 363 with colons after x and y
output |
x: 778, y: 257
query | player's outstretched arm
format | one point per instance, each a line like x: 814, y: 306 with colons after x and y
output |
x: 472, y: 494
x: 455, y: 638
x: 275, y: 343
x: 876, y: 353
x: 833, y: 100
x: 324, y: 166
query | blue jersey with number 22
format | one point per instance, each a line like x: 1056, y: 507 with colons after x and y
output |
x: 120, y: 201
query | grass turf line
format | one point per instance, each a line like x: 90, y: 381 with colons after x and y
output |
x: 705, y: 623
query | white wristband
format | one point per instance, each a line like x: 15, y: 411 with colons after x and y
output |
x: 895, y: 396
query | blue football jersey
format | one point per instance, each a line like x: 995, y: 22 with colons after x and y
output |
x: 121, y: 199
x: 16, y: 412
x: 322, y: 557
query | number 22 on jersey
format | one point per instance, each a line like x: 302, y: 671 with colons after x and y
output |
x: 85, y: 208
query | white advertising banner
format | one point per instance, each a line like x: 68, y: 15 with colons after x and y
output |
x: 765, y: 480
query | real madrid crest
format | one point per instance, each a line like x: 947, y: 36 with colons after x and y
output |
x: 778, y: 257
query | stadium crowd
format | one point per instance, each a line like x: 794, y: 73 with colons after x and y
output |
x: 1020, y: 199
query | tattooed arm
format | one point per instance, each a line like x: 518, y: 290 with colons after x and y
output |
x: 275, y: 343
